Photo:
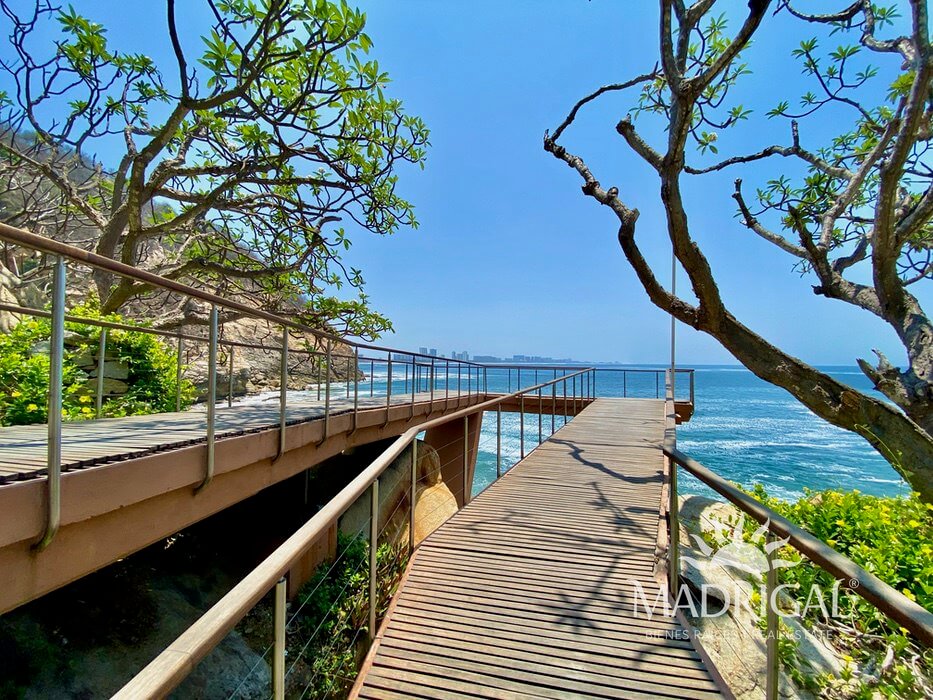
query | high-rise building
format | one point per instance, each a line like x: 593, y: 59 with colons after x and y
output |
x: 423, y: 350
x: 433, y: 352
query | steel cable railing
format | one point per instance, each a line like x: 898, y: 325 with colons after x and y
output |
x: 175, y: 662
x: 62, y: 252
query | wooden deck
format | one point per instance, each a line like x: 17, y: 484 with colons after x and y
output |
x: 528, y: 591
x: 95, y: 442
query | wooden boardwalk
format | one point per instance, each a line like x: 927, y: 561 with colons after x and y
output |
x: 528, y: 591
x: 94, y: 442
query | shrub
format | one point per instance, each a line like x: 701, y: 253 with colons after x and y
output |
x: 24, y: 371
x: 332, y: 622
x: 891, y: 538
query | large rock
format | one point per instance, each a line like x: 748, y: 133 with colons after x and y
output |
x: 113, y: 369
x: 435, y: 501
x: 733, y: 640
x: 99, y: 670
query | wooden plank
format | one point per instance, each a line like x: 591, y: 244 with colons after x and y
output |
x: 571, y: 648
x: 528, y: 591
x: 94, y: 442
x: 584, y: 670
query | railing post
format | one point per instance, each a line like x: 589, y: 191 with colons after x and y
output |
x: 540, y: 418
x: 674, y: 513
x: 773, y: 629
x: 388, y: 387
x: 211, y: 396
x: 657, y: 385
x: 594, y: 383
x: 320, y: 377
x: 573, y: 391
x: 356, y: 385
x: 405, y: 380
x: 54, y: 446
x: 521, y: 430
x: 498, y: 441
x: 230, y: 379
x: 372, y: 377
x: 414, y: 384
x: 485, y: 381
x: 101, y: 365
x: 178, y: 373
x: 413, y: 496
x: 283, y: 390
x: 553, y: 402
x: 327, y: 390
x: 467, y: 488
x: 278, y: 655
x: 349, y: 360
x: 459, y: 381
x: 446, y: 383
x: 565, y: 399
x: 431, y: 378
x: 373, y: 552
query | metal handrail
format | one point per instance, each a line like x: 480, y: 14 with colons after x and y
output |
x: 62, y: 251
x: 176, y: 661
x: 530, y: 367
x: 891, y: 602
x: 49, y: 246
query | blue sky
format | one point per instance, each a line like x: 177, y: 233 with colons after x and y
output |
x: 510, y: 256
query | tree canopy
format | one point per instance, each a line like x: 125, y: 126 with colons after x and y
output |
x: 857, y: 221
x: 246, y: 165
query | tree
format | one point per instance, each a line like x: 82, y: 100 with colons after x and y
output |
x: 236, y: 167
x: 861, y: 207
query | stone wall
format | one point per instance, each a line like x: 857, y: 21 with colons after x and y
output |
x: 116, y: 372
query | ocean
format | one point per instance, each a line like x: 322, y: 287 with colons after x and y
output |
x: 745, y: 429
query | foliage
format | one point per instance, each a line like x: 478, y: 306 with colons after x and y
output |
x: 244, y: 160
x: 332, y: 622
x: 24, y: 371
x: 845, y: 190
x: 891, y: 538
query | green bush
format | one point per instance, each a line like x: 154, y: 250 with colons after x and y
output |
x: 329, y: 632
x: 891, y: 538
x: 24, y: 371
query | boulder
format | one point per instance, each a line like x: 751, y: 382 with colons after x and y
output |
x: 435, y: 501
x: 733, y: 640
x: 113, y: 387
x: 112, y: 369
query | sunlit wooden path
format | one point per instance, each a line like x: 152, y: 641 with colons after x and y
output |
x: 528, y: 591
x: 95, y: 442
